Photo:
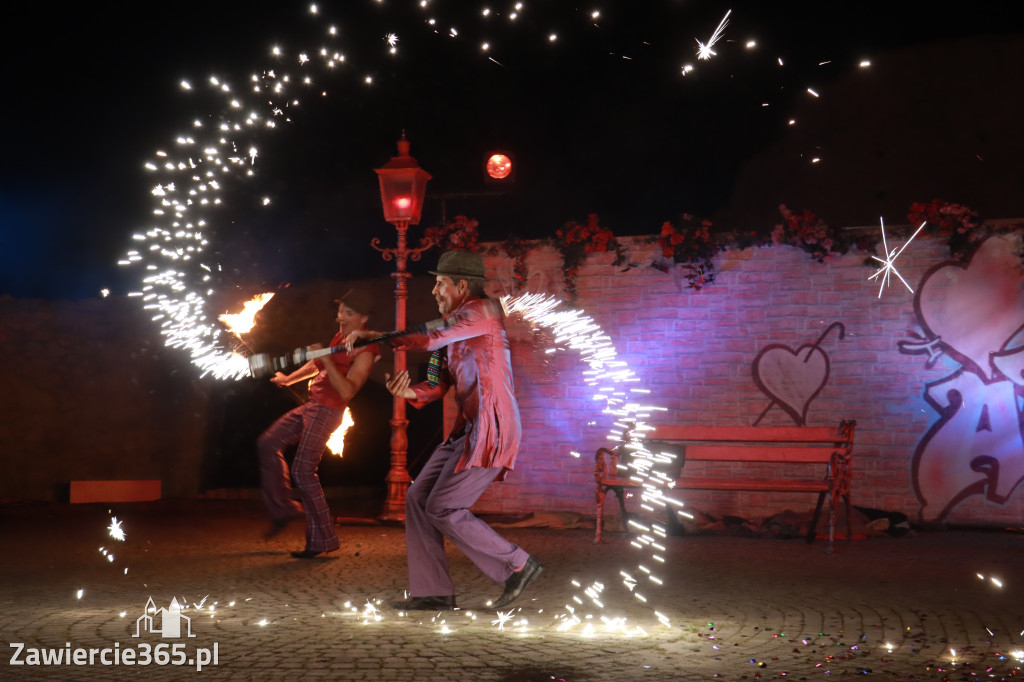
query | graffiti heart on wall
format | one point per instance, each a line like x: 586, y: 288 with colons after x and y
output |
x: 974, y: 314
x: 793, y: 378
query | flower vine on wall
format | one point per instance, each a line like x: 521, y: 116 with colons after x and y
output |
x: 516, y: 249
x: 956, y: 223
x: 461, y: 233
x: 690, y: 246
x: 576, y: 241
x: 810, y: 233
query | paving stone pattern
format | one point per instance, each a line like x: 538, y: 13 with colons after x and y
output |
x: 729, y: 608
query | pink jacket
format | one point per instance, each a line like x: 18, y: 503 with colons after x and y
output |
x: 480, y: 366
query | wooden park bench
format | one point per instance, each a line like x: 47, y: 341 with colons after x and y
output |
x: 740, y: 458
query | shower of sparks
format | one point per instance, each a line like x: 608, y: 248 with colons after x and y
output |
x: 336, y: 443
x: 614, y: 385
x: 178, y: 271
x: 705, y: 51
x: 503, y: 617
x: 115, y: 529
x: 995, y: 581
x: 889, y: 262
x: 179, y: 274
x: 370, y: 612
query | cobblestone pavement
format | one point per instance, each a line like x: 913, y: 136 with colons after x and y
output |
x: 926, y: 606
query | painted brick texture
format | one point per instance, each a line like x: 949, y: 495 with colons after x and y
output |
x: 694, y: 350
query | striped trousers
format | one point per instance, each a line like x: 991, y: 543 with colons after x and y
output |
x: 309, y: 426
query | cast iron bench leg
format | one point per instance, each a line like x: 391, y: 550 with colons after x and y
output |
x: 812, y: 531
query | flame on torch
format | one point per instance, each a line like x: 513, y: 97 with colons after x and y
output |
x: 336, y: 443
x: 243, y: 322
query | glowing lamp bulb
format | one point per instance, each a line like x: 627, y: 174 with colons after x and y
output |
x: 402, y: 203
x: 499, y: 166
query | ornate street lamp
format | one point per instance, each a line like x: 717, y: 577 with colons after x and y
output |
x: 402, y: 186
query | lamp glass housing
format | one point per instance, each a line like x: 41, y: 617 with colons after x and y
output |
x: 402, y: 187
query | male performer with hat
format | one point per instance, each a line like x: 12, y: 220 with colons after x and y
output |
x: 481, y: 448
x: 335, y: 380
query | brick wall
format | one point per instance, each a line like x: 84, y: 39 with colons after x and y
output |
x: 695, y: 349
x: 92, y: 393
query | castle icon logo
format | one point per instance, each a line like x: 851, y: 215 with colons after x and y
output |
x: 170, y: 621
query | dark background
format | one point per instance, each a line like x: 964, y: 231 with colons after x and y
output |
x: 599, y: 121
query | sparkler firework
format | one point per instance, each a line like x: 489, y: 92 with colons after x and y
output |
x: 888, y: 263
x: 189, y: 177
x: 115, y: 529
x: 178, y: 275
x: 608, y: 376
x: 705, y: 51
x: 503, y: 617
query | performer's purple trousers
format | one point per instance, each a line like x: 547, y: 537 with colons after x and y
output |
x: 309, y: 425
x: 437, y: 507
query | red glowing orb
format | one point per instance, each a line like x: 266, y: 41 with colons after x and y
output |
x: 402, y: 202
x: 499, y: 166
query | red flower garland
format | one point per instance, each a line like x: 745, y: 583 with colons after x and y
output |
x: 691, y: 246
x: 576, y: 241
x: 810, y: 233
x: 459, y: 234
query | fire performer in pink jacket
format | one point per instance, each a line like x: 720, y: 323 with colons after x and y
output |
x: 482, y: 447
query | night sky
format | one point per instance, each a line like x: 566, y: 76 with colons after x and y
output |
x: 600, y: 120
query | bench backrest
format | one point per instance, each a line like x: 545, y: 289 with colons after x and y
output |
x: 753, y: 443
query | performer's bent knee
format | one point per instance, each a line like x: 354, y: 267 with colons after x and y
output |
x: 306, y: 482
x: 440, y: 516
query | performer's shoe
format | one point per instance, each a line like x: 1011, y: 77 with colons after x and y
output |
x: 425, y: 604
x: 277, y: 527
x: 518, y: 581
x: 306, y: 554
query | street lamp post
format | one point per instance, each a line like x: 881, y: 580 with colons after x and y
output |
x: 402, y: 186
